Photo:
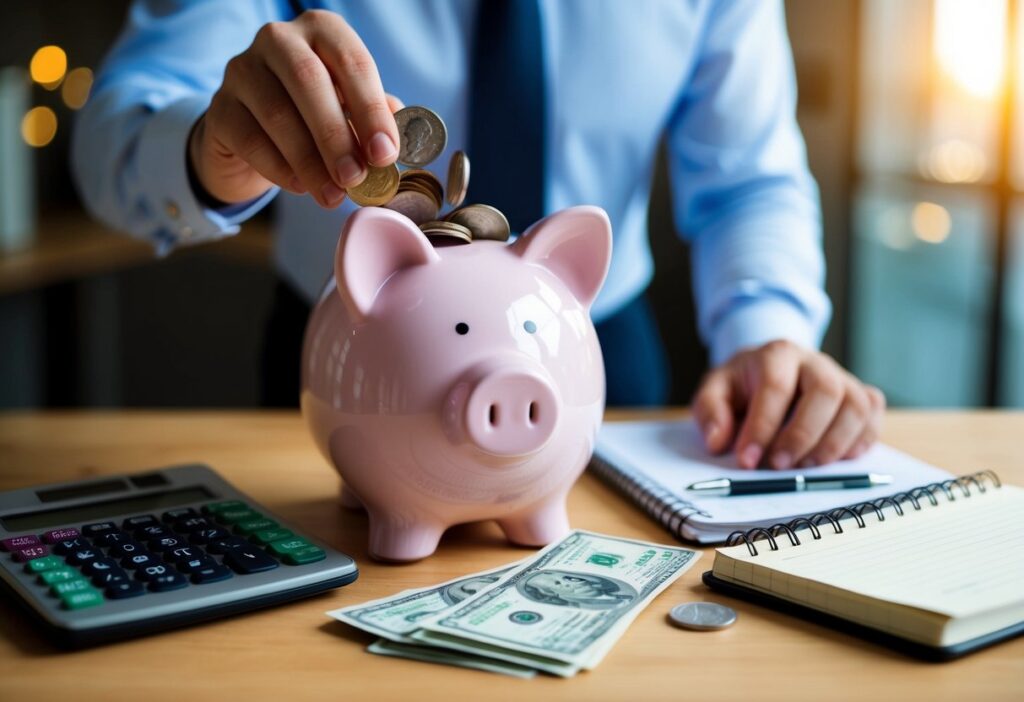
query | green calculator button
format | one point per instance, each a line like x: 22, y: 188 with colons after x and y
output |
x: 250, y: 526
x: 58, y: 575
x: 82, y: 599
x: 265, y: 536
x: 285, y: 546
x: 310, y: 554
x: 38, y: 565
x: 69, y: 586
x: 218, y: 507
x: 234, y: 516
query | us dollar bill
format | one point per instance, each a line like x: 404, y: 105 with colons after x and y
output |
x: 397, y: 616
x: 431, y: 654
x: 567, y: 605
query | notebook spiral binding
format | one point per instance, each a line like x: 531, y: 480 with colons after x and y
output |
x: 856, y: 511
x: 664, y: 507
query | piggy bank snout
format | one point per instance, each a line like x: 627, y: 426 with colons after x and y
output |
x: 507, y: 411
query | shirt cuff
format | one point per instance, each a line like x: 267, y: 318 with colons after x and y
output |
x: 163, y: 170
x: 756, y: 322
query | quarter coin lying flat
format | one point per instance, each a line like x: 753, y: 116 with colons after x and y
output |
x: 702, y: 616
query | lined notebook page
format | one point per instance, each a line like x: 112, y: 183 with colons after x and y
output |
x: 957, y: 558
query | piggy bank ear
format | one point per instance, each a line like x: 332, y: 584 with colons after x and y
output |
x: 376, y: 244
x: 574, y: 244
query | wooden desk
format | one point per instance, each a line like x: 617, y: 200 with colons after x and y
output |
x: 295, y: 652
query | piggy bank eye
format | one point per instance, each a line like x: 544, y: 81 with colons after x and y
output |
x: 461, y: 328
x: 529, y: 326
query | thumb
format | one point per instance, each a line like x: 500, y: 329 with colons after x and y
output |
x: 712, y: 409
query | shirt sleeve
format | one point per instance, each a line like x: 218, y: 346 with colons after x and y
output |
x: 743, y: 194
x: 129, y: 143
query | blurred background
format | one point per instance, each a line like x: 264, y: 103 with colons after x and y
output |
x: 913, y: 112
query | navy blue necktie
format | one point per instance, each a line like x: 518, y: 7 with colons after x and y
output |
x: 506, y: 109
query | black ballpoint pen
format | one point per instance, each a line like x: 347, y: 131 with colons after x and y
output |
x: 723, y: 487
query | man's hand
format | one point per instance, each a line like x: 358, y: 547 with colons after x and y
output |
x: 282, y: 115
x: 798, y: 407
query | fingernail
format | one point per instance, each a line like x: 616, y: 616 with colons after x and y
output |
x: 808, y: 463
x: 782, y: 460
x: 332, y: 193
x: 710, y: 432
x: 381, y: 147
x: 350, y: 171
x: 750, y: 456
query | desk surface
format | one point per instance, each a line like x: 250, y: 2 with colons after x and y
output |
x: 295, y: 651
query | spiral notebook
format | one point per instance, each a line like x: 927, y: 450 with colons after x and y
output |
x: 653, y: 462
x: 936, y: 571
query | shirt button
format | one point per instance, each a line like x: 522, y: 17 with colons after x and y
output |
x: 172, y: 209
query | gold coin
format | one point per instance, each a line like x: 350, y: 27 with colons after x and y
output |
x: 379, y: 186
x: 440, y: 232
x: 484, y: 221
x: 458, y: 178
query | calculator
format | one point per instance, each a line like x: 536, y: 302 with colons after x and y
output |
x: 117, y: 557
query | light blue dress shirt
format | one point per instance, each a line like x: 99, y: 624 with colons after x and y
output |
x: 712, y: 77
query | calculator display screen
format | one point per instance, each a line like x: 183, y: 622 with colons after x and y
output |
x: 102, y: 510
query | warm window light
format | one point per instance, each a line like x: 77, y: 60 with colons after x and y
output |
x: 931, y: 222
x: 970, y: 44
x: 48, y: 66
x: 77, y: 85
x: 954, y: 161
x: 39, y: 126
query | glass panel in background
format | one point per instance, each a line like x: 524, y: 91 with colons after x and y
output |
x: 1017, y: 136
x: 920, y: 292
x: 1011, y: 390
x: 931, y: 81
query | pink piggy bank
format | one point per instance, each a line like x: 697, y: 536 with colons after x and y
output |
x: 458, y: 383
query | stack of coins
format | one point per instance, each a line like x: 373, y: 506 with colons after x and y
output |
x: 419, y: 195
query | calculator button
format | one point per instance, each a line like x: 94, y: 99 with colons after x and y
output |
x: 140, y: 560
x: 211, y: 574
x: 193, y: 524
x: 185, y: 553
x: 38, y: 565
x: 81, y: 600
x: 155, y: 531
x: 124, y: 589
x: 127, y: 548
x: 136, y: 523
x: 285, y: 546
x: 168, y: 543
x: 66, y: 547
x: 217, y: 507
x: 310, y: 554
x: 99, y: 528
x: 27, y: 554
x: 249, y: 559
x: 52, y: 537
x: 233, y: 516
x: 194, y: 564
x: 68, y: 586
x: 265, y: 536
x: 100, y: 565
x: 17, y: 543
x: 170, y: 581
x: 205, y: 536
x: 221, y: 546
x: 58, y: 575
x: 83, y: 555
x: 152, y: 572
x: 112, y: 539
x: 173, y: 515
x: 251, y: 526
x: 110, y: 578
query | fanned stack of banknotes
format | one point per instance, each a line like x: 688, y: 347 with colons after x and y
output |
x: 558, y: 612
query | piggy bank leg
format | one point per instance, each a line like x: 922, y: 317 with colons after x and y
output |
x: 539, y: 525
x: 349, y: 499
x: 395, y: 540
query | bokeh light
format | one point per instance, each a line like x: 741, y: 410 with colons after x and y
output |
x: 77, y: 85
x: 931, y: 222
x: 970, y: 43
x: 39, y: 126
x: 48, y: 66
x: 954, y: 161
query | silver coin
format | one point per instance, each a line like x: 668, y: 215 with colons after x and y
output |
x: 702, y: 616
x: 422, y: 136
x: 484, y: 221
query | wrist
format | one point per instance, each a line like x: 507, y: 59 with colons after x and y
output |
x: 192, y: 157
